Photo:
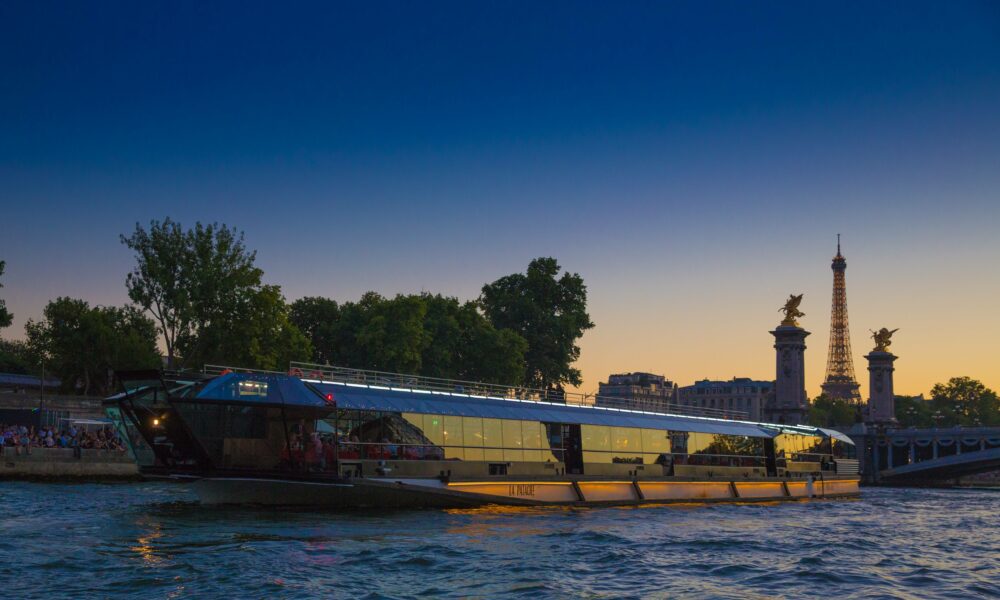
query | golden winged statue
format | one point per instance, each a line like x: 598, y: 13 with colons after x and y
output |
x: 791, y: 310
x: 881, y: 338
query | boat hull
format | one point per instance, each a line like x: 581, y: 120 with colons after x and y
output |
x: 384, y: 493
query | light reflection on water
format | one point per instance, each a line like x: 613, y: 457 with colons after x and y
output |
x: 153, y: 540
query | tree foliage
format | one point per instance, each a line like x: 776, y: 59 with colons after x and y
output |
x: 205, y: 292
x: 833, y: 412
x: 5, y: 317
x: 190, y: 280
x: 423, y: 334
x: 19, y: 358
x: 961, y: 401
x: 964, y: 401
x: 550, y: 313
x: 913, y: 411
x: 82, y: 345
x: 258, y: 334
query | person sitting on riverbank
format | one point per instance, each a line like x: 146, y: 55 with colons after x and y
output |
x: 23, y: 439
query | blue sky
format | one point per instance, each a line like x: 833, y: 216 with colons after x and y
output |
x: 693, y: 161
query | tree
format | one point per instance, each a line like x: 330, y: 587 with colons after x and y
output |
x: 318, y: 318
x: 5, y: 317
x: 430, y: 335
x: 913, y: 411
x: 833, y: 412
x: 81, y: 344
x: 17, y: 357
x: 965, y: 401
x: 461, y: 343
x: 549, y: 313
x: 257, y: 334
x: 190, y: 280
x: 393, y: 337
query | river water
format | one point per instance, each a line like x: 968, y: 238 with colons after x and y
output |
x: 152, y: 540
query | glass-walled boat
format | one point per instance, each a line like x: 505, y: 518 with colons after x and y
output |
x: 346, y: 438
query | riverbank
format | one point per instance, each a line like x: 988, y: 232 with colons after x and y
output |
x: 64, y: 464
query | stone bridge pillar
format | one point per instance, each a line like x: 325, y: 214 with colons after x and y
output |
x: 881, y: 404
x: 789, y: 402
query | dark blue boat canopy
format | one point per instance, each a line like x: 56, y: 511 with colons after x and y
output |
x: 278, y: 389
x: 260, y: 387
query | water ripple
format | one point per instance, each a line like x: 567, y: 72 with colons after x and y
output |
x: 154, y: 541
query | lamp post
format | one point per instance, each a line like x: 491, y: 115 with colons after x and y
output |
x: 41, y: 395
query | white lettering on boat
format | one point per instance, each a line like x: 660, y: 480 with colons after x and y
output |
x: 522, y: 489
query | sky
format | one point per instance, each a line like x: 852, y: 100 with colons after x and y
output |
x: 693, y: 162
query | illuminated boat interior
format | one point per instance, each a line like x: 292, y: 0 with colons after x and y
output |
x: 327, y: 424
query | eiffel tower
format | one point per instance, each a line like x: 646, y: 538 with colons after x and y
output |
x: 840, y: 380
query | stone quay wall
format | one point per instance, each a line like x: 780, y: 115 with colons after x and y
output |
x: 67, y: 464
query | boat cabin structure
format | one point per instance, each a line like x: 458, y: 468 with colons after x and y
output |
x: 352, y: 439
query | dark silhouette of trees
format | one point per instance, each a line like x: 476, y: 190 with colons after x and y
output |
x: 833, y: 412
x: 965, y: 401
x: 83, y: 345
x: 6, y: 318
x: 549, y: 312
x: 424, y: 334
x: 203, y: 289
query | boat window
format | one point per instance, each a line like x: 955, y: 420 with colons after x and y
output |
x: 512, y: 434
x: 452, y: 430
x: 512, y: 441
x: 843, y: 449
x: 472, y: 438
x: 655, y: 440
x: 596, y: 437
x: 802, y: 448
x: 553, y: 435
x: 362, y: 434
x: 434, y: 429
x: 493, y: 439
x: 626, y: 439
x: 472, y: 432
x: 531, y: 432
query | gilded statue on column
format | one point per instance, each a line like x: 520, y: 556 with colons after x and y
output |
x: 791, y: 310
x: 882, y: 339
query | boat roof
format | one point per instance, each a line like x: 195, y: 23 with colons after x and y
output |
x: 280, y: 389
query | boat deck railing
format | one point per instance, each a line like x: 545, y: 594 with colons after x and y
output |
x: 386, y: 379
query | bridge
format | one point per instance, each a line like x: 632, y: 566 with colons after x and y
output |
x: 927, y: 456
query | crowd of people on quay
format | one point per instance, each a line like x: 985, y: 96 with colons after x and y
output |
x: 24, y: 438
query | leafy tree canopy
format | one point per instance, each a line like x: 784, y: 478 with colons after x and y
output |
x: 258, y: 334
x: 18, y: 357
x: 964, y: 401
x: 549, y: 312
x: 423, y: 334
x: 833, y: 412
x: 205, y: 292
x: 82, y: 345
x: 913, y: 411
x: 5, y: 317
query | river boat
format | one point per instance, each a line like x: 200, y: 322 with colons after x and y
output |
x: 343, y: 438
